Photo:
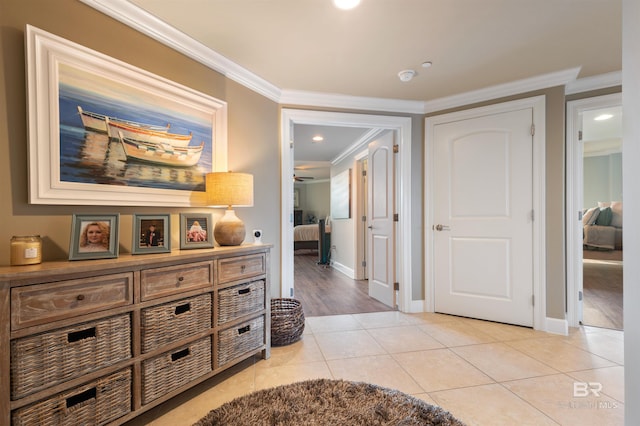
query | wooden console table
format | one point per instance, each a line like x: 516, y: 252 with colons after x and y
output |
x: 102, y: 341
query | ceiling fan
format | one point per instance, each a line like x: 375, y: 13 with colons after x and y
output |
x: 301, y: 178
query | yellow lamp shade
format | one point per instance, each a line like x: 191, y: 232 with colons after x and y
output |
x: 229, y: 189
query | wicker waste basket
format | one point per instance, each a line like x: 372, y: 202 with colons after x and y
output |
x: 287, y: 321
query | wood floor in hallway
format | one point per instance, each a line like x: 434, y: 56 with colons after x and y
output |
x: 324, y: 291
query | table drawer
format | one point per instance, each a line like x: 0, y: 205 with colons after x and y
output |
x: 240, y: 300
x: 159, y: 282
x: 43, y: 303
x: 44, y: 360
x: 237, y: 268
x: 96, y: 403
x: 175, y: 320
x: 169, y: 371
x: 240, y: 339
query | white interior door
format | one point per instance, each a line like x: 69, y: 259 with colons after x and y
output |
x: 483, y: 217
x: 380, y: 209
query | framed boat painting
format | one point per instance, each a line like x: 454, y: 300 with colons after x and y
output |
x: 103, y: 132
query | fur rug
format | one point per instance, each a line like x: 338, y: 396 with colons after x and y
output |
x: 328, y: 402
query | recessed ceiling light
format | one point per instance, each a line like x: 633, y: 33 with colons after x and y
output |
x: 317, y: 138
x: 346, y: 4
x: 427, y: 64
x: 602, y: 117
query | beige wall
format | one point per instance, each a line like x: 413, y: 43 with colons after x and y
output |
x: 252, y: 126
x: 253, y: 137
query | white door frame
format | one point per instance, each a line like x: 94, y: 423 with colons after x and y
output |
x: 402, y: 126
x: 575, y: 197
x: 537, y: 103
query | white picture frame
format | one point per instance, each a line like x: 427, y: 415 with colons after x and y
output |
x: 58, y: 70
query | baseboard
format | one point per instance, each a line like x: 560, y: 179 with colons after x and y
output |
x: 343, y: 269
x: 556, y: 326
x: 416, y: 306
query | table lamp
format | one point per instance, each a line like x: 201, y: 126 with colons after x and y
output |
x: 231, y: 190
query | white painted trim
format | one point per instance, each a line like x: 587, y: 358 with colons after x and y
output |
x: 352, y: 150
x: 537, y: 103
x: 402, y: 127
x: 332, y: 100
x: 575, y: 197
x: 349, y: 272
x: 141, y: 20
x: 559, y: 78
x: 417, y: 306
x: 596, y: 82
x: 556, y: 326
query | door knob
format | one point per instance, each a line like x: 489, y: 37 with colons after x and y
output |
x: 442, y: 227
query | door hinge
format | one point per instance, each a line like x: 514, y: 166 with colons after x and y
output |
x: 364, y: 263
x: 290, y: 145
x: 533, y: 300
x: 364, y: 173
x: 579, y: 135
x: 579, y: 214
x: 396, y: 286
x: 533, y: 130
x: 580, y: 296
x: 396, y: 148
x: 533, y: 215
x: 291, y: 292
x: 364, y: 218
x: 395, y: 217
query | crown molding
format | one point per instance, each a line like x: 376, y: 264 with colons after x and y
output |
x: 144, y: 22
x: 558, y: 78
x: 330, y: 100
x: 596, y: 82
x: 140, y: 20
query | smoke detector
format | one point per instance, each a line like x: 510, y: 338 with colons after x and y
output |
x: 406, y: 75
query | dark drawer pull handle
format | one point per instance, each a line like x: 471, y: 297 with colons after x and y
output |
x: 80, y: 297
x: 244, y: 329
x: 242, y: 268
x: 180, y: 354
x: 76, y: 336
x: 244, y: 291
x: 180, y: 279
x: 181, y: 309
x: 81, y: 397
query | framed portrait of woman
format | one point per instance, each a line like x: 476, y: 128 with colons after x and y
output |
x: 196, y: 230
x: 94, y: 236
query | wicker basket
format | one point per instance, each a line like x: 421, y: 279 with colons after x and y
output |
x: 95, y: 403
x: 240, y: 339
x: 287, y: 321
x: 240, y: 300
x: 169, y: 371
x: 173, y: 321
x: 46, y: 359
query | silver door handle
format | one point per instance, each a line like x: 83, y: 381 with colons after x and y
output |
x: 439, y: 227
x: 370, y: 227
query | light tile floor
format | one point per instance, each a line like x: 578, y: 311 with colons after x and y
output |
x: 484, y: 373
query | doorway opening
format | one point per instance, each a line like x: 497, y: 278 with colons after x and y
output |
x: 594, y: 186
x: 401, y: 126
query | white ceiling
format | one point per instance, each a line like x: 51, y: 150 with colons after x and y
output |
x: 310, y: 47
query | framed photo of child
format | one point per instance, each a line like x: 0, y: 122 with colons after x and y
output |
x: 196, y: 230
x: 151, y: 233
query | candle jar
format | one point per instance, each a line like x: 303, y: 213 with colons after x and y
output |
x: 26, y: 250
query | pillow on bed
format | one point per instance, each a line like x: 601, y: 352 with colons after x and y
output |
x: 590, y: 216
x: 616, y: 214
x: 604, y: 217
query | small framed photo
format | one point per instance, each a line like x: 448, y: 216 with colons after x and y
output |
x: 151, y: 233
x: 94, y: 236
x: 196, y: 230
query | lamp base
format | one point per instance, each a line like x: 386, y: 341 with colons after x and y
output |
x: 229, y: 230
